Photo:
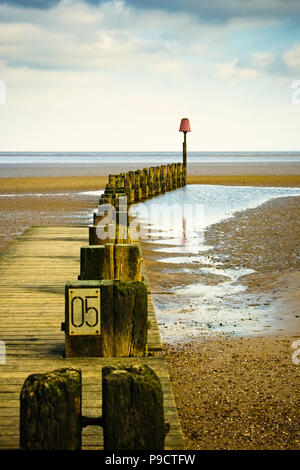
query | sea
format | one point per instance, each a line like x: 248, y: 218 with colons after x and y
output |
x: 154, y: 158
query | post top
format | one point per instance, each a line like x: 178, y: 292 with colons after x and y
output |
x: 185, y: 125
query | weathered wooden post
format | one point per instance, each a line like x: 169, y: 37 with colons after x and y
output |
x: 115, y: 230
x: 131, y: 177
x: 133, y: 412
x: 130, y: 318
x: 127, y: 259
x: 112, y: 180
x: 163, y: 183
x: 104, y: 213
x: 174, y: 175
x: 120, y: 181
x: 105, y: 318
x: 169, y: 177
x: 102, y: 234
x: 179, y: 174
x: 110, y: 261
x: 50, y: 411
x: 137, y: 186
x: 144, y: 183
x: 97, y: 262
x: 129, y: 191
x: 151, y: 187
x: 82, y: 325
x: 157, y: 180
x: 105, y: 198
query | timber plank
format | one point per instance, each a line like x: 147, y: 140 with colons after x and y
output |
x: 33, y: 271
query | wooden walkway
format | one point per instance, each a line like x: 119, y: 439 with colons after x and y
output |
x: 33, y: 272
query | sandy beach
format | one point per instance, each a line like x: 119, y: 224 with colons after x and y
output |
x: 243, y: 392
x: 84, y: 176
x: 231, y: 392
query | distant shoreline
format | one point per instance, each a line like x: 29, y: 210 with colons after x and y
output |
x: 201, y: 153
x: 195, y: 170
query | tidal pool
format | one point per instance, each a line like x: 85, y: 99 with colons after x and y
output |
x: 176, y: 222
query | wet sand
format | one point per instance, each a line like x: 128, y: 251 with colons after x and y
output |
x: 231, y: 393
x: 203, y: 173
x: 282, y: 180
x: 21, y: 211
x: 243, y: 392
x: 51, y: 184
x: 240, y: 394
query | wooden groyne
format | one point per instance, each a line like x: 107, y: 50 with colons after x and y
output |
x: 141, y: 184
x: 47, y: 276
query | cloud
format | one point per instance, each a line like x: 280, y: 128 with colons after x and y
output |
x: 231, y: 70
x: 261, y: 60
x: 292, y: 58
x: 116, y: 36
x: 43, y: 4
x: 110, y: 37
x: 213, y: 11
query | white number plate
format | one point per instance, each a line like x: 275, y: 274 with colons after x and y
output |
x: 84, y: 311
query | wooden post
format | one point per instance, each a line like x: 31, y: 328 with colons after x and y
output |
x: 102, y: 234
x: 124, y: 318
x: 109, y: 189
x: 163, y: 184
x: 157, y: 180
x: 112, y: 180
x: 122, y: 220
x: 137, y: 192
x: 133, y: 413
x: 179, y: 174
x: 130, y: 319
x: 122, y: 203
x: 128, y: 262
x: 97, y: 262
x: 105, y: 318
x: 50, y: 411
x: 151, y: 187
x: 174, y: 176
x: 145, y: 174
x: 184, y: 149
x: 131, y: 176
x: 105, y: 198
x: 137, y: 185
x: 110, y: 261
x: 169, y: 177
x: 120, y: 182
x: 144, y: 183
x: 128, y: 189
x: 105, y: 211
x: 137, y: 176
x: 163, y: 172
x: 184, y: 175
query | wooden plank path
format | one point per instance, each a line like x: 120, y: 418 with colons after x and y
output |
x: 33, y: 271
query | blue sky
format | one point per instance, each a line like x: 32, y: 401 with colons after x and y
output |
x: 119, y: 75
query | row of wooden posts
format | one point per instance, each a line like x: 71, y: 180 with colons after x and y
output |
x: 126, y: 189
x: 106, y: 314
x: 141, y: 184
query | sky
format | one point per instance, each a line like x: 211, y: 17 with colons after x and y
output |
x: 114, y: 75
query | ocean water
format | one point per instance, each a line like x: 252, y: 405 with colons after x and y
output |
x: 180, y: 217
x: 154, y: 158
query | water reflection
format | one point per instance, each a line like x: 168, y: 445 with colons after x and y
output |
x: 218, y: 301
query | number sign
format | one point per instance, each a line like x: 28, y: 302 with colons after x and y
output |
x: 84, y: 311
